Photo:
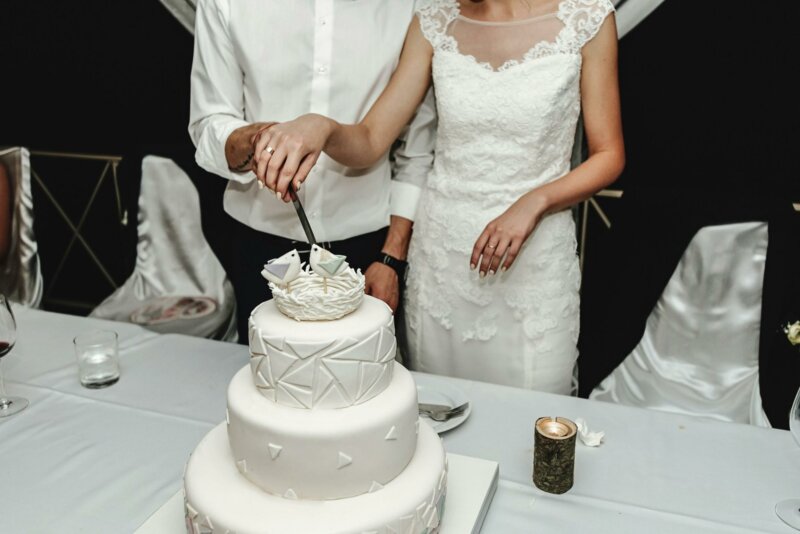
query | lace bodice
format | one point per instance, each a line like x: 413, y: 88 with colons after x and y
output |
x: 508, y: 100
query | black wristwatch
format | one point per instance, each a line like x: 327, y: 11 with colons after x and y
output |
x: 399, y: 266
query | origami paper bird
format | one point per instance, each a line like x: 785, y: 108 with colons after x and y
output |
x: 325, y: 263
x: 281, y: 271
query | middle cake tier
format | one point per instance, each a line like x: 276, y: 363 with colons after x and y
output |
x: 322, y: 454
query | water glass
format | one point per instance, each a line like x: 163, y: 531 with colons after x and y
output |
x: 98, y: 359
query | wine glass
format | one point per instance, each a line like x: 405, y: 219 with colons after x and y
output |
x: 789, y: 510
x: 8, y: 335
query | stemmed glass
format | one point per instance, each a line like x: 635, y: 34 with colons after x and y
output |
x: 8, y: 336
x: 789, y: 510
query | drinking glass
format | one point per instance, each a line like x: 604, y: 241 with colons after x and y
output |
x: 98, y: 361
x: 8, y: 336
x: 789, y: 510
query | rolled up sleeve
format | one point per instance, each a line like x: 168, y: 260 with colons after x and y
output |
x: 217, y: 98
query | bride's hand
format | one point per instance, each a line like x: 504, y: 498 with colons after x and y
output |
x: 504, y: 236
x: 286, y: 152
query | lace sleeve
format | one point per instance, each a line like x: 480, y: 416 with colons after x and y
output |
x: 583, y: 19
x: 434, y: 17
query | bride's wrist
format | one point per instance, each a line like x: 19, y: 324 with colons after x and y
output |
x: 538, y: 203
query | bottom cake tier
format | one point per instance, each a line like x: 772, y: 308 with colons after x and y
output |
x: 219, y: 499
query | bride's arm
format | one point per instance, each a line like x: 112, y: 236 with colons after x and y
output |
x: 505, y: 235
x: 296, y: 145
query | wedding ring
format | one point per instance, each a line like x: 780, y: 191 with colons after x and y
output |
x: 491, y: 246
x: 269, y: 150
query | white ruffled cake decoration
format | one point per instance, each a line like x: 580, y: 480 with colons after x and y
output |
x: 325, y: 290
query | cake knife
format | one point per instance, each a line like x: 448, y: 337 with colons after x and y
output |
x: 301, y: 214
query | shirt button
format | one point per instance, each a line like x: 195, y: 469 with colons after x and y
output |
x: 322, y: 69
x: 323, y: 21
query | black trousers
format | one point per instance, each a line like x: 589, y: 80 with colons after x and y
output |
x: 252, y: 249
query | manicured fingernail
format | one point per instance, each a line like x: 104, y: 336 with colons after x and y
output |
x: 471, y: 266
x: 491, y: 273
x: 297, y: 187
x: 260, y: 184
x: 483, y: 274
x: 503, y: 269
x: 278, y: 194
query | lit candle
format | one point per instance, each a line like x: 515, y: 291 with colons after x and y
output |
x: 554, y: 454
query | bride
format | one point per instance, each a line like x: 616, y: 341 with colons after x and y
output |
x: 493, y: 281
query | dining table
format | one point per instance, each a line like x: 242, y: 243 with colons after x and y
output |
x: 81, y: 460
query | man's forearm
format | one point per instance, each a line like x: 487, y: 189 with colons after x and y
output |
x: 240, y: 144
x: 398, y: 238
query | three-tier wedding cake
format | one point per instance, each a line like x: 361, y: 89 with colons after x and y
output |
x: 322, y: 432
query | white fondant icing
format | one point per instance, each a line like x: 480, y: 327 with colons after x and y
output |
x: 290, y: 494
x: 311, y: 297
x: 375, y: 487
x: 274, y: 450
x: 392, y: 434
x: 311, y: 439
x: 344, y: 460
x: 227, y: 417
x: 279, y: 362
x: 190, y: 511
x: 357, y: 352
x: 301, y: 374
x: 304, y: 349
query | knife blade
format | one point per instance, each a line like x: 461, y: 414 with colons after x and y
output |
x: 301, y: 214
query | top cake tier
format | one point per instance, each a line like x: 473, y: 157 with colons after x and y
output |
x: 322, y: 364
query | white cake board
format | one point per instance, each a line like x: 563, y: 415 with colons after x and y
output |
x: 471, y: 484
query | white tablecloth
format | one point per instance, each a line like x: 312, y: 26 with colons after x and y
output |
x: 80, y: 460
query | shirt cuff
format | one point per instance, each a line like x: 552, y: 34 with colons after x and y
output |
x: 210, y: 154
x: 404, y: 199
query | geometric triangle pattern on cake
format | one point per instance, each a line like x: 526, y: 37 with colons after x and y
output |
x: 295, y: 396
x: 375, y: 487
x: 241, y: 465
x: 346, y: 374
x: 274, y: 450
x: 334, y: 396
x: 304, y: 349
x: 290, y: 494
x: 280, y: 362
x: 344, y: 460
x: 392, y: 434
x: 370, y: 373
x: 300, y: 374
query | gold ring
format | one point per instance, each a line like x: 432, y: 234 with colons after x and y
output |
x: 491, y: 246
x: 269, y: 150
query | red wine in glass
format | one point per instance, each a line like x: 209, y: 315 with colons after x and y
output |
x: 8, y: 335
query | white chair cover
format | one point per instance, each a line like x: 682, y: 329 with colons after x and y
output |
x: 177, y: 279
x: 20, y: 273
x: 699, y: 352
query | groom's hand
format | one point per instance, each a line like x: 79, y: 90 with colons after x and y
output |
x: 240, y: 146
x: 382, y: 282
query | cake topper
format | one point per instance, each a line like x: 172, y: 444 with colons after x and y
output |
x: 284, y: 270
x: 325, y: 289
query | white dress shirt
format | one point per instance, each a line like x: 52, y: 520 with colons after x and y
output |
x: 257, y: 60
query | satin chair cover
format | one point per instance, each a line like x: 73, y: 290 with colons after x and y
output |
x: 173, y: 258
x: 699, y: 351
x: 20, y: 274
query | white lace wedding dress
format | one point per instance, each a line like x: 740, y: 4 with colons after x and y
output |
x: 508, y: 98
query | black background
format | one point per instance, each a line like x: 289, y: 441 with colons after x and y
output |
x: 709, y: 111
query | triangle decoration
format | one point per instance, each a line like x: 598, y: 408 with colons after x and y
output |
x: 301, y: 374
x: 304, y: 349
x: 392, y: 435
x: 274, y: 450
x: 375, y: 487
x: 277, y: 269
x: 290, y: 494
x: 280, y: 362
x: 344, y: 460
x: 241, y: 465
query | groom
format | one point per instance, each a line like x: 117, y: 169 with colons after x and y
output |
x: 258, y: 62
